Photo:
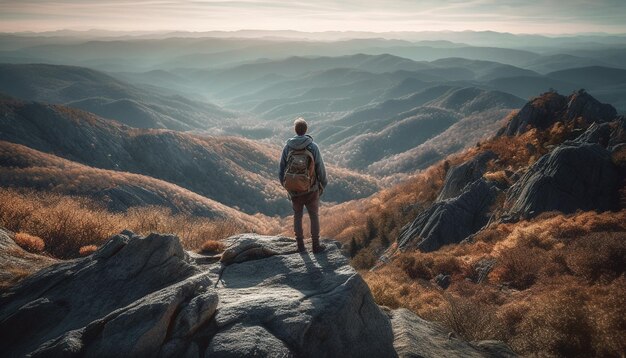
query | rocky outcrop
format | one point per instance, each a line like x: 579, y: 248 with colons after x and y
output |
x: 573, y: 176
x: 15, y: 262
x: 543, y: 111
x: 86, y: 300
x: 459, y: 177
x: 596, y: 133
x: 146, y: 296
x: 450, y: 221
x: 618, y: 134
x: 582, y: 105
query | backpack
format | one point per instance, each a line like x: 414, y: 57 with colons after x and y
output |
x: 300, y: 171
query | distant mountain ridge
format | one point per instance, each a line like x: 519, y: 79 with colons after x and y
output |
x: 25, y: 168
x: 376, y: 137
x: 237, y: 172
x: 109, y: 97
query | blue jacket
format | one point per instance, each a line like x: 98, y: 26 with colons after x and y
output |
x: 301, y: 142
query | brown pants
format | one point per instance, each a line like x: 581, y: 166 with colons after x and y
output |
x: 312, y: 203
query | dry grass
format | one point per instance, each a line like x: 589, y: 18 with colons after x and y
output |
x: 394, y: 207
x: 212, y: 247
x: 29, y: 242
x: 87, y: 250
x: 556, y: 289
x: 498, y: 176
x: 68, y: 223
x: 44, y: 172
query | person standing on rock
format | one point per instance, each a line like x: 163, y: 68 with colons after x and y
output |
x: 303, y: 174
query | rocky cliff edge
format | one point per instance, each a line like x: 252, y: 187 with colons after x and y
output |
x: 146, y: 296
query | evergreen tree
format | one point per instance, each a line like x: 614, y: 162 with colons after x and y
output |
x: 384, y: 240
x: 370, y: 232
x: 353, y: 248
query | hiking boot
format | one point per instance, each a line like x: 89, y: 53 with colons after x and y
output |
x: 318, y: 248
x: 301, y: 247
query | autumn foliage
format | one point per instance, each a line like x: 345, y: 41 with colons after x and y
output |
x: 29, y: 242
x: 555, y: 288
x: 87, y: 250
x: 69, y: 226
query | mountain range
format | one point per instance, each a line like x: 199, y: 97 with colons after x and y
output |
x: 475, y: 179
x: 234, y: 171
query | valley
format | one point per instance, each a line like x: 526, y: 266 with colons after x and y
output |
x: 477, y: 179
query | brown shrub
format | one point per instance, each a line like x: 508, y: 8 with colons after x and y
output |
x: 498, y: 176
x: 212, y: 247
x: 384, y: 293
x: 416, y: 265
x: 87, y: 250
x: 519, y: 266
x: 557, y: 324
x: 445, y: 264
x: 510, y: 316
x: 365, y: 259
x: 607, y: 311
x: 29, y: 242
x: 390, y: 209
x: 67, y: 223
x: 469, y: 318
x: 600, y: 257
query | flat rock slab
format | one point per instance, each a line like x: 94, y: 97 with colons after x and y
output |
x: 145, y: 296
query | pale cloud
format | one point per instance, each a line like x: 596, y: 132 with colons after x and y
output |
x: 539, y: 16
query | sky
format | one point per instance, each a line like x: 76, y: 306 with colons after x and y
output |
x: 515, y: 16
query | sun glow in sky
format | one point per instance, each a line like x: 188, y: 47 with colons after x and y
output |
x: 517, y: 16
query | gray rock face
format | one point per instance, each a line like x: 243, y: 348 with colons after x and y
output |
x: 539, y: 113
x: 141, y: 297
x: 15, y: 262
x: 450, y: 221
x: 573, y: 176
x: 618, y: 135
x: 596, y: 133
x: 74, y: 294
x: 317, y: 305
x: 459, y: 177
x: 416, y: 337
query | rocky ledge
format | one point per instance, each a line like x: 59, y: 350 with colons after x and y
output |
x: 146, y: 296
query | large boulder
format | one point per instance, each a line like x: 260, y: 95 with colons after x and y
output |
x: 316, y: 305
x: 459, y: 177
x: 140, y: 297
x: 450, y: 221
x: 574, y: 176
x: 73, y: 294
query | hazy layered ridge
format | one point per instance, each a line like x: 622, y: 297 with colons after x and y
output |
x: 323, y: 86
x: 234, y: 171
x: 381, y: 133
x: 26, y: 168
x: 113, y: 51
x: 109, y: 97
